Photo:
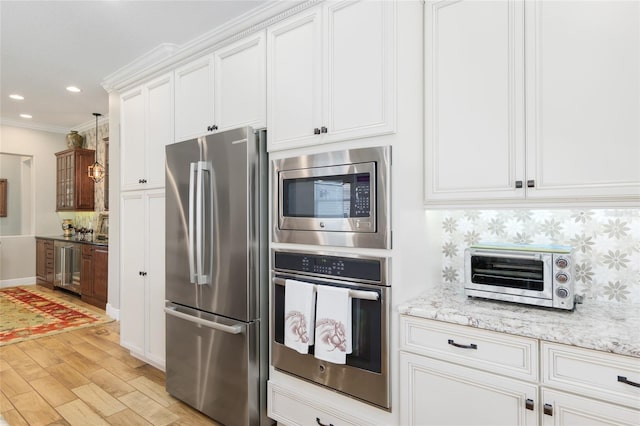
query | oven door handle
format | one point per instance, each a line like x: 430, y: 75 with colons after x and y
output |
x: 480, y: 252
x: 354, y: 294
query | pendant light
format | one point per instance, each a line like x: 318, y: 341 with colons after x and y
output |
x: 96, y: 170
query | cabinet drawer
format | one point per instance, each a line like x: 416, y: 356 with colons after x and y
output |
x: 87, y: 250
x: 291, y: 408
x: 496, y: 352
x: 591, y: 373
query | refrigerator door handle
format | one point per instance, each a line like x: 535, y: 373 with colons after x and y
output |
x: 231, y: 329
x: 201, y: 277
x: 192, y: 266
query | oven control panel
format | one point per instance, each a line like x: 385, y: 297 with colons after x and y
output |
x: 367, y: 269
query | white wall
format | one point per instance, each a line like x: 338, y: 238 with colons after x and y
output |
x: 113, y: 302
x: 18, y: 254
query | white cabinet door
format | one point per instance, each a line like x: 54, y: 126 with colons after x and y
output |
x: 474, y: 100
x: 194, y: 99
x: 358, y: 69
x: 294, y: 57
x: 142, y: 319
x: 155, y: 318
x: 159, y: 128
x: 240, y: 83
x: 564, y: 409
x: 434, y: 392
x: 331, y: 74
x: 583, y: 99
x: 146, y: 127
x: 132, y: 135
x: 132, y: 289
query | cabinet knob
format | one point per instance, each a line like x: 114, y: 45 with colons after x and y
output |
x: 518, y: 184
x: 531, y: 183
x: 548, y: 409
x: 529, y: 404
x: 316, y: 131
x: 323, y: 129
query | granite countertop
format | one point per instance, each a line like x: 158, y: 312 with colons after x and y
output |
x: 609, y: 327
x: 104, y: 243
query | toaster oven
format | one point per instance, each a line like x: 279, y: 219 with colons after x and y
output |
x: 534, y: 275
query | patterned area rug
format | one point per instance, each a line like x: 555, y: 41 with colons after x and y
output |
x: 27, y: 313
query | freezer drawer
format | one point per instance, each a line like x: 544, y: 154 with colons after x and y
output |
x: 212, y: 364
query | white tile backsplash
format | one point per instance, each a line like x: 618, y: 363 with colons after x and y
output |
x: 606, y: 244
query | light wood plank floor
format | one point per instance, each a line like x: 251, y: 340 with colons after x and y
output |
x: 85, y: 378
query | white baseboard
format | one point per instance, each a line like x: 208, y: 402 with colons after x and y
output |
x: 17, y: 281
x: 112, y: 312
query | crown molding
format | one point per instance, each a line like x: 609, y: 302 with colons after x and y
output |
x: 253, y: 21
x: 33, y: 126
x: 91, y: 124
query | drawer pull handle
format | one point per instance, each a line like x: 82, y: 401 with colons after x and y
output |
x: 322, y: 424
x: 548, y: 409
x: 458, y: 345
x: 624, y: 380
x: 529, y: 404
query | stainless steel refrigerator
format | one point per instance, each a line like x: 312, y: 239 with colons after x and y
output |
x: 217, y: 275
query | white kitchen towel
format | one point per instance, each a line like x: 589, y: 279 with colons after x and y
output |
x: 299, y: 315
x: 333, y: 324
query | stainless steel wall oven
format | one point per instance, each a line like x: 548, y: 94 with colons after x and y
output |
x: 339, y: 198
x: 365, y: 375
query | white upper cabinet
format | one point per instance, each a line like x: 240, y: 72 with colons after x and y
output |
x: 331, y: 74
x: 583, y: 98
x: 194, y: 106
x: 531, y: 102
x: 221, y: 91
x: 240, y: 84
x: 146, y: 126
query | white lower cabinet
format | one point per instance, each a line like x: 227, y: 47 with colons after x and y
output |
x: 289, y: 406
x: 142, y: 321
x: 441, y: 393
x: 456, y: 384
x: 450, y: 375
x: 565, y: 409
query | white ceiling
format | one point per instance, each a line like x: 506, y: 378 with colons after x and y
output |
x: 46, y: 46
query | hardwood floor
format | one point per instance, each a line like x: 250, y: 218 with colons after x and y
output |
x: 85, y: 378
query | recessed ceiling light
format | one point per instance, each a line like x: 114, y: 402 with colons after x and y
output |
x: 73, y: 89
x: 26, y: 116
x: 17, y: 97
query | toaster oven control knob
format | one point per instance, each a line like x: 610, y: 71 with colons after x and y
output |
x: 561, y: 262
x: 562, y: 278
x: 562, y: 292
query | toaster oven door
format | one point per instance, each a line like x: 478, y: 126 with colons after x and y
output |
x: 519, y: 274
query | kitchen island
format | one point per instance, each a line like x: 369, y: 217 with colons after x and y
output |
x: 85, y: 267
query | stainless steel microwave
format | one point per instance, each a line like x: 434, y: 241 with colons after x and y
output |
x: 534, y: 275
x: 339, y: 198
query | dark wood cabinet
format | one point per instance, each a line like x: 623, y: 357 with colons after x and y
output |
x: 44, y: 262
x: 74, y: 187
x: 94, y: 275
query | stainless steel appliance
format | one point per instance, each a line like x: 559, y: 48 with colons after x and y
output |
x: 217, y: 275
x: 534, y: 275
x: 67, y: 265
x: 339, y: 198
x: 366, y: 373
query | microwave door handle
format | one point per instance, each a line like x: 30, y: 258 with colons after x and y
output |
x: 192, y: 267
x: 534, y: 256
